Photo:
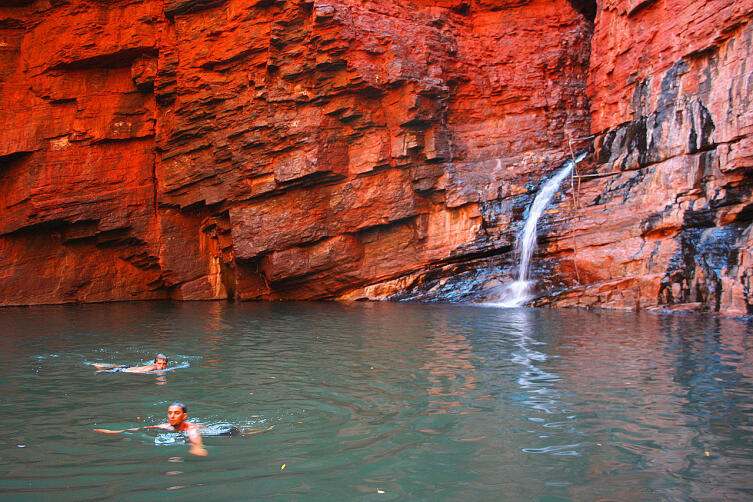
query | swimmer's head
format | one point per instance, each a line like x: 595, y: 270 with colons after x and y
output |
x: 178, y: 404
x: 160, y: 361
x: 177, y: 413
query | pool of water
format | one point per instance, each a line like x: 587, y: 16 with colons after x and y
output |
x: 375, y: 401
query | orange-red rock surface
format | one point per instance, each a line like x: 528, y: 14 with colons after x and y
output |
x: 303, y: 149
x: 670, y: 86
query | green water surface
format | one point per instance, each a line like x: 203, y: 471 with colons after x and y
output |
x: 377, y: 402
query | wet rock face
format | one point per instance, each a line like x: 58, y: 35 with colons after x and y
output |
x: 304, y: 149
x: 669, y: 224
x: 257, y: 149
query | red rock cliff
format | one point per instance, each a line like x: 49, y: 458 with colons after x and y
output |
x: 669, y: 224
x: 262, y: 149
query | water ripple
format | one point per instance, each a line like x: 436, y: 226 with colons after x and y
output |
x: 424, y: 402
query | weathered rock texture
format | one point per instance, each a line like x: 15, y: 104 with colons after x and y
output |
x: 670, y: 86
x: 303, y: 149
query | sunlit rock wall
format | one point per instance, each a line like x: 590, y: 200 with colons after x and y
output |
x: 272, y: 149
x: 669, y: 223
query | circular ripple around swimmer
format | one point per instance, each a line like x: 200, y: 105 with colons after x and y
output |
x: 342, y: 415
x: 327, y: 428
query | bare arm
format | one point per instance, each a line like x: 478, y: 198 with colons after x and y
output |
x: 140, y: 369
x: 103, y: 366
x: 197, y: 446
x: 108, y: 431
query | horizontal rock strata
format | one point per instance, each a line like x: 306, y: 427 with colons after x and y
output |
x: 311, y: 149
x: 271, y: 149
x: 670, y: 225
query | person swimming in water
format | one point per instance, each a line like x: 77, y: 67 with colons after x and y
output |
x: 177, y: 413
x: 160, y: 364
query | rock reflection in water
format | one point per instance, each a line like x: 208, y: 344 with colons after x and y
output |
x: 451, y: 372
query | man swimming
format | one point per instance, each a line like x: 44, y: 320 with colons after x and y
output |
x: 177, y: 413
x: 160, y: 364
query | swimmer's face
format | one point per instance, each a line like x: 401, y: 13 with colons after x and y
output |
x: 160, y: 364
x: 176, y: 416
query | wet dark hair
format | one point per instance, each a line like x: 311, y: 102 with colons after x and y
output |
x: 182, y: 406
x: 160, y: 356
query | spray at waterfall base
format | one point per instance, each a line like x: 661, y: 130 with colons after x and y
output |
x: 519, y: 292
x: 501, y: 277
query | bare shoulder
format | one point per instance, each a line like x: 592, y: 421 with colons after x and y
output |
x: 192, y: 428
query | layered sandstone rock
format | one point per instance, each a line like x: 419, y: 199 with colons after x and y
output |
x: 661, y: 218
x: 308, y: 149
x: 271, y: 149
x: 670, y: 226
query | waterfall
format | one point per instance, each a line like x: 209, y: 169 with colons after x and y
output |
x: 518, y: 293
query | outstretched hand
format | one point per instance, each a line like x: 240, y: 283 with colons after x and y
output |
x: 108, y: 431
x: 196, y: 445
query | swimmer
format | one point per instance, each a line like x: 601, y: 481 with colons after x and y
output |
x: 176, y: 421
x: 160, y: 364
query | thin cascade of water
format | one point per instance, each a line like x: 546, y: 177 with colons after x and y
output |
x: 518, y: 292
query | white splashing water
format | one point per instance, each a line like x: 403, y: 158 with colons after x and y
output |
x: 517, y: 293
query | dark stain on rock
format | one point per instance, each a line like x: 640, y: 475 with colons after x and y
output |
x: 731, y: 195
x: 641, y: 95
x: 702, y: 218
x: 603, y: 146
x: 586, y: 7
x: 745, y: 216
x: 632, y: 182
x: 700, y: 140
x: 635, y: 139
x: 704, y: 256
x: 670, y: 85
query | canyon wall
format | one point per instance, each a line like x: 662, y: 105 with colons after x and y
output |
x: 668, y: 225
x: 343, y: 149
